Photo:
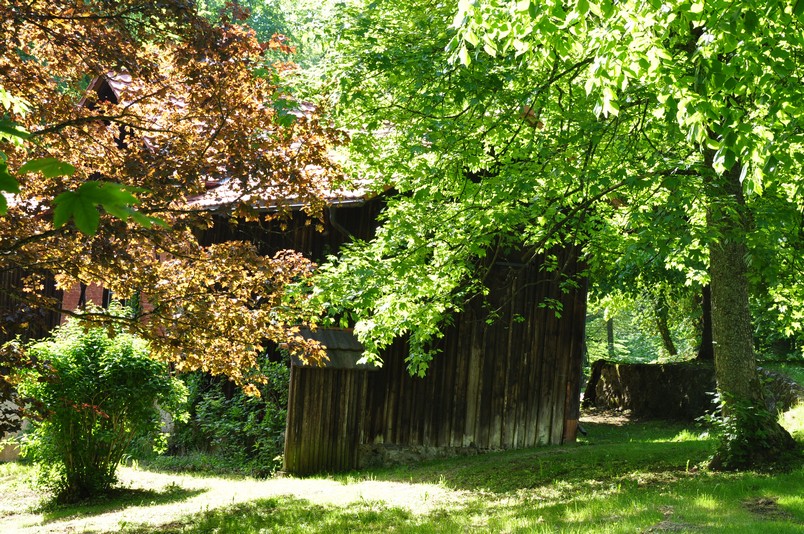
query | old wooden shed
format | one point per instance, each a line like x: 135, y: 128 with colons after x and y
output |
x: 509, y: 383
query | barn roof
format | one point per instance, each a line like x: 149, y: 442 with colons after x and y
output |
x: 228, y: 193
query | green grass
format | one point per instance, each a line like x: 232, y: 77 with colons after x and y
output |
x: 635, y: 477
x: 196, y: 462
x: 628, y: 478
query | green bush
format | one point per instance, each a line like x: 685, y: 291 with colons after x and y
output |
x: 243, y: 432
x: 102, y: 393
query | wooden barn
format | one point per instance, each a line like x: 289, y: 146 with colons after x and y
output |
x: 511, y: 383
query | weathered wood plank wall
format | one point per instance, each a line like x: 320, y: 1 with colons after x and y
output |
x: 510, y: 383
x: 323, y: 431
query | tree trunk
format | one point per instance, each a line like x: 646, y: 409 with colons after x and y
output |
x: 660, y: 311
x: 705, y: 351
x: 760, y: 438
x: 610, y: 337
x: 735, y: 366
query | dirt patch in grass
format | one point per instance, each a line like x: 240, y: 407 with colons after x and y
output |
x: 605, y: 417
x: 767, y: 508
x: 668, y: 525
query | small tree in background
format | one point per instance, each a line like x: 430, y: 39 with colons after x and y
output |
x: 103, y: 391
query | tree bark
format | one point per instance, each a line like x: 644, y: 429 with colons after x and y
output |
x: 660, y: 311
x: 610, y: 337
x: 705, y: 350
x: 761, y: 440
x: 733, y: 344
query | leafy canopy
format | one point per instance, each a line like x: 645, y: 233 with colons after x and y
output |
x: 129, y: 110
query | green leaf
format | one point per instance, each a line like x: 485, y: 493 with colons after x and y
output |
x: 471, y: 38
x: 64, y: 204
x: 86, y: 217
x: 463, y: 56
x: 7, y: 182
x: 798, y: 10
x: 750, y: 21
x: 10, y: 129
x: 582, y: 7
x: 3, y: 205
x: 49, y: 167
x: 80, y: 207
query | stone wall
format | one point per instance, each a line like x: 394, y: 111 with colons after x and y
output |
x: 382, y: 455
x: 662, y: 391
x: 673, y: 391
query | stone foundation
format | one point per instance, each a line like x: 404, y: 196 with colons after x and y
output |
x: 382, y: 455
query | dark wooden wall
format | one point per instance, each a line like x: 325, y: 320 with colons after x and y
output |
x: 325, y: 415
x: 313, y: 238
x: 17, y: 316
x: 510, y: 384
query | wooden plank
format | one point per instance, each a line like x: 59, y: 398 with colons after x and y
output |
x: 291, y: 447
x: 548, y: 370
x: 563, y: 357
x: 450, y: 387
x: 573, y: 401
x: 516, y: 357
x: 319, y: 404
x: 474, y: 385
x: 498, y: 354
x: 458, y: 410
x: 536, y: 327
x: 528, y: 361
x: 405, y: 406
x: 484, y: 431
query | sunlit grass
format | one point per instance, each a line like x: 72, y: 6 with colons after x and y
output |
x: 634, y: 477
x: 793, y: 421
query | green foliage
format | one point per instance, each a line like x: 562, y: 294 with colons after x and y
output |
x: 636, y: 338
x: 243, y: 433
x: 750, y: 438
x: 656, y: 135
x: 103, y: 392
x: 82, y: 206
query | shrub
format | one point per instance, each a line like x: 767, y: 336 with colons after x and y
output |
x: 750, y: 437
x: 245, y: 433
x: 103, y: 392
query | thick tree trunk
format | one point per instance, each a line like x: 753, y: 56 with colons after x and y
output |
x: 760, y: 438
x: 735, y: 366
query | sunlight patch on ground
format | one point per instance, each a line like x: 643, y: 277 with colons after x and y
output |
x: 221, y: 492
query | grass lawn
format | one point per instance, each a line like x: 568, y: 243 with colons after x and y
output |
x: 623, y: 477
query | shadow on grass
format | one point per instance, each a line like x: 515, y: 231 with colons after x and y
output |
x: 607, y: 453
x: 702, y: 503
x: 115, y: 499
x: 286, y: 514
